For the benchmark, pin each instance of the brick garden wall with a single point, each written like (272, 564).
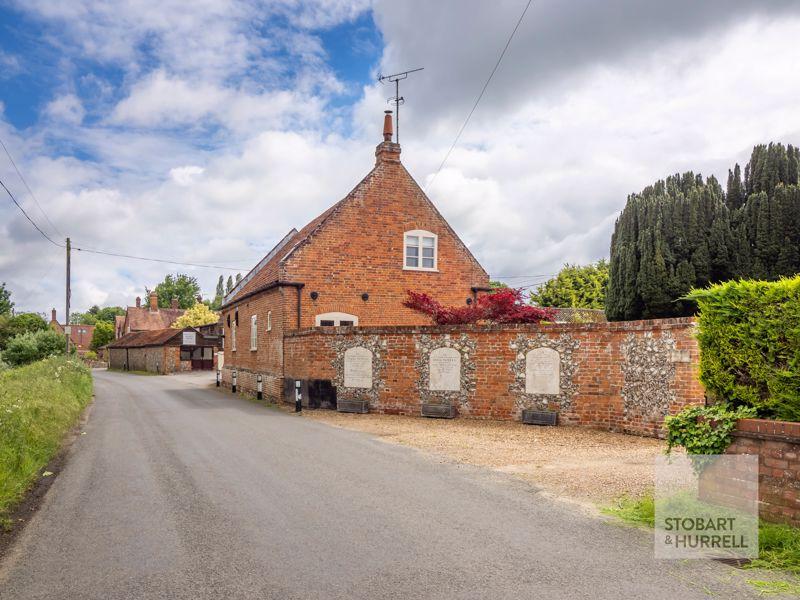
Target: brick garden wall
(154, 359)
(622, 376)
(777, 445)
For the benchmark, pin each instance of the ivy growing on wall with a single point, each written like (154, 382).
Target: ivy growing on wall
(704, 429)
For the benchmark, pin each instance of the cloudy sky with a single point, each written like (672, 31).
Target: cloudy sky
(204, 134)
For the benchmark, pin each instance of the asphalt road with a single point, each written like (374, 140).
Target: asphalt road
(181, 491)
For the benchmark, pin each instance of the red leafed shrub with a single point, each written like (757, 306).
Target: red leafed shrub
(503, 306)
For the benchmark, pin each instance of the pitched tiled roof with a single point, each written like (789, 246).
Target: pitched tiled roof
(144, 319)
(269, 271)
(140, 339)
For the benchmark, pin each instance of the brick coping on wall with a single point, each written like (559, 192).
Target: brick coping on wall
(644, 325)
(763, 429)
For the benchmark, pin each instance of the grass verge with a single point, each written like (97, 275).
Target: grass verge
(39, 403)
(778, 545)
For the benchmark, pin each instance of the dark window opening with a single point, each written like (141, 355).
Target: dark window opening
(345, 323)
(326, 323)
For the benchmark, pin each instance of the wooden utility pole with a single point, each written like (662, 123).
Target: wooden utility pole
(67, 328)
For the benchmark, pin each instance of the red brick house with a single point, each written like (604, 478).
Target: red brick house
(351, 266)
(146, 318)
(79, 335)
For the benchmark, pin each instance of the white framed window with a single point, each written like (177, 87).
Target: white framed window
(254, 332)
(269, 320)
(336, 319)
(420, 250)
(233, 336)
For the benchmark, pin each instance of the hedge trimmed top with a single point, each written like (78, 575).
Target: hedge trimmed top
(749, 336)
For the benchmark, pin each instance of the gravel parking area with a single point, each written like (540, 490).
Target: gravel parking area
(578, 464)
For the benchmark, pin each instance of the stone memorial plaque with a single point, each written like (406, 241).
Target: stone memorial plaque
(679, 356)
(358, 368)
(445, 370)
(543, 371)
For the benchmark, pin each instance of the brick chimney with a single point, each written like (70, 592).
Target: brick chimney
(153, 301)
(387, 151)
(174, 303)
(53, 316)
(138, 302)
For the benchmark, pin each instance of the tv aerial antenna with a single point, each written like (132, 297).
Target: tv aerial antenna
(397, 99)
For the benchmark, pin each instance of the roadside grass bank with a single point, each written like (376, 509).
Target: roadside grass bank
(39, 403)
(778, 545)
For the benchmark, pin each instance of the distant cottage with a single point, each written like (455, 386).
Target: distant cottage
(351, 266)
(146, 318)
(79, 335)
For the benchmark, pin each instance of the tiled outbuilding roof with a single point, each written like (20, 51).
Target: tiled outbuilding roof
(140, 339)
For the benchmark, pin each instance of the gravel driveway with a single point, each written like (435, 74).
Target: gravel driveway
(584, 465)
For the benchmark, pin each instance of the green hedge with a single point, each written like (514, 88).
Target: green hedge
(749, 336)
(39, 403)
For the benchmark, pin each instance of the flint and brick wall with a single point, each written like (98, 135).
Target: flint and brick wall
(154, 359)
(622, 376)
(777, 444)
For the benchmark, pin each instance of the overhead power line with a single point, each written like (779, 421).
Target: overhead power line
(158, 260)
(519, 276)
(27, 216)
(478, 99)
(30, 191)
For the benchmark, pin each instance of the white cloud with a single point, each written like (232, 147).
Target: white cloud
(9, 65)
(184, 176)
(67, 108)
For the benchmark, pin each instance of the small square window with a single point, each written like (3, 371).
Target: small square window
(413, 258)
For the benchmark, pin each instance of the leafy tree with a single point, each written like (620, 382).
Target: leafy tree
(685, 232)
(103, 334)
(96, 314)
(197, 315)
(219, 295)
(21, 323)
(32, 346)
(575, 287)
(498, 285)
(180, 286)
(6, 305)
(79, 318)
